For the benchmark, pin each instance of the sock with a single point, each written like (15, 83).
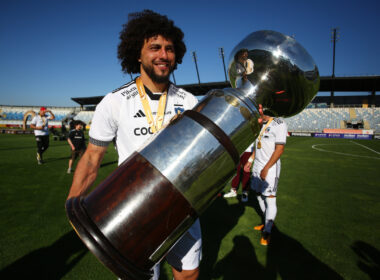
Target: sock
(270, 213)
(156, 271)
(261, 203)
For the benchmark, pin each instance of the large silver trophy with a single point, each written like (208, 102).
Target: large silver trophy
(138, 213)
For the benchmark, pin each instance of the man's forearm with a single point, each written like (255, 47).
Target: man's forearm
(32, 126)
(70, 143)
(86, 171)
(52, 117)
(275, 156)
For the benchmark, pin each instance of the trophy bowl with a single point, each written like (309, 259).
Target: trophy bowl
(274, 70)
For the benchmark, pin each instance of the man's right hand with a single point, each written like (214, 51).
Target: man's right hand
(87, 170)
(261, 112)
(247, 167)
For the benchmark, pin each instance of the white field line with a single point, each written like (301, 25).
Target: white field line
(366, 147)
(338, 153)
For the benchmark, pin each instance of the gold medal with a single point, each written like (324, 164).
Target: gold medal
(43, 121)
(161, 107)
(262, 132)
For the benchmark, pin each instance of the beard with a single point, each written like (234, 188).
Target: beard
(160, 79)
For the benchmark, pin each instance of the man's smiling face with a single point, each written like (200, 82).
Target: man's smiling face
(157, 58)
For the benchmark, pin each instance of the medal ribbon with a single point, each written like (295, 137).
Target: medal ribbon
(262, 132)
(43, 121)
(148, 112)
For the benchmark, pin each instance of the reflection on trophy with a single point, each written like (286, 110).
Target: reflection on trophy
(137, 214)
(242, 64)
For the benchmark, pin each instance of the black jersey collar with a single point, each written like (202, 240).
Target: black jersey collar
(153, 96)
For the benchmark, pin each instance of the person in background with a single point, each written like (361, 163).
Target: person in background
(77, 143)
(241, 176)
(268, 149)
(40, 124)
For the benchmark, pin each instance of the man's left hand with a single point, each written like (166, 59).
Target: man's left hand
(263, 173)
(261, 112)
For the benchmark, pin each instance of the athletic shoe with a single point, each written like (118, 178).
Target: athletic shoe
(244, 197)
(265, 238)
(259, 227)
(39, 159)
(231, 193)
(69, 171)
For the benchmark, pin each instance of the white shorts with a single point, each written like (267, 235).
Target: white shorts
(187, 253)
(266, 187)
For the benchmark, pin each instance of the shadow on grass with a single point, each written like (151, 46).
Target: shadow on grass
(240, 263)
(108, 163)
(56, 159)
(219, 219)
(51, 262)
(286, 257)
(289, 259)
(369, 261)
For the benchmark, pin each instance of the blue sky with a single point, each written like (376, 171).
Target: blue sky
(52, 50)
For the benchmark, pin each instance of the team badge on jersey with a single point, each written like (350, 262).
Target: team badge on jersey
(178, 109)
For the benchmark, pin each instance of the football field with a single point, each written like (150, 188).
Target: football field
(327, 225)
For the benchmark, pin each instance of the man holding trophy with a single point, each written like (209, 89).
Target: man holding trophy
(153, 46)
(148, 208)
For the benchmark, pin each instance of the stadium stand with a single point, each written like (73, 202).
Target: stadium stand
(85, 116)
(317, 119)
(13, 115)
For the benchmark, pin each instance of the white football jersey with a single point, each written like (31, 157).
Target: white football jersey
(249, 149)
(275, 133)
(39, 121)
(121, 115)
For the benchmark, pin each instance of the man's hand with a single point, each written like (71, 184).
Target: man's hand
(261, 112)
(263, 173)
(36, 127)
(51, 117)
(247, 167)
(279, 149)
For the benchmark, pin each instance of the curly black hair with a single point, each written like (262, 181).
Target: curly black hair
(141, 26)
(239, 53)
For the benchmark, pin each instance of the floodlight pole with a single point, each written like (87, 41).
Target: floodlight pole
(221, 52)
(196, 66)
(334, 39)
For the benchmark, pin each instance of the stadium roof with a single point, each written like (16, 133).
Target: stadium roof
(328, 84)
(94, 100)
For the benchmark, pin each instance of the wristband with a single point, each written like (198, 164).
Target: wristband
(250, 160)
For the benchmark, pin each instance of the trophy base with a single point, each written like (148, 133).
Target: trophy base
(132, 219)
(98, 244)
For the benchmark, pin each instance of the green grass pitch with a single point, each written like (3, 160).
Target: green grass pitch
(327, 225)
